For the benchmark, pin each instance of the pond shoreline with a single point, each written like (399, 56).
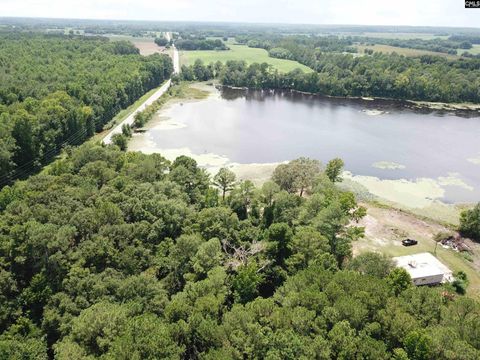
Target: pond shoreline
(467, 108)
(424, 194)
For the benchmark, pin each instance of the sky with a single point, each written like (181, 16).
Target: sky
(362, 12)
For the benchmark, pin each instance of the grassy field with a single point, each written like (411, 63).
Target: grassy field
(403, 36)
(240, 52)
(190, 91)
(386, 227)
(475, 50)
(402, 51)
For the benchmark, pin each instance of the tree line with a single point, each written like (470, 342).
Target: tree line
(200, 44)
(326, 43)
(117, 255)
(334, 43)
(162, 41)
(57, 91)
(427, 78)
(448, 46)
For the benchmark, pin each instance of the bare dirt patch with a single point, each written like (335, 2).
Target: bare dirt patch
(149, 48)
(386, 227)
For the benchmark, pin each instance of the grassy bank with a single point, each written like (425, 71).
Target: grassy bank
(122, 115)
(189, 91)
(183, 91)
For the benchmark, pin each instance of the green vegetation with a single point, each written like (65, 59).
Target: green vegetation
(284, 46)
(142, 117)
(373, 264)
(108, 254)
(396, 225)
(423, 78)
(428, 78)
(403, 35)
(178, 91)
(225, 181)
(334, 170)
(475, 50)
(470, 223)
(297, 175)
(201, 44)
(118, 255)
(77, 87)
(120, 140)
(448, 46)
(292, 43)
(123, 114)
(388, 49)
(162, 41)
(240, 53)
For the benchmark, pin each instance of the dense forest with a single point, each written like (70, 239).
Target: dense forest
(117, 255)
(438, 45)
(107, 254)
(162, 41)
(335, 43)
(140, 28)
(427, 78)
(268, 41)
(58, 90)
(200, 44)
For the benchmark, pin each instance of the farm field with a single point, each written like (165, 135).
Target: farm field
(240, 52)
(475, 50)
(404, 36)
(402, 51)
(146, 45)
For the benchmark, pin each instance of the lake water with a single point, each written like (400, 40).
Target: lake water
(383, 139)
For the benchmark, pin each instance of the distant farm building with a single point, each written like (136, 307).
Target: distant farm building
(424, 269)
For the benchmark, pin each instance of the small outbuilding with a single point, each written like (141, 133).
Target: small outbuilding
(424, 269)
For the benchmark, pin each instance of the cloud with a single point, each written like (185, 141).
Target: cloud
(371, 12)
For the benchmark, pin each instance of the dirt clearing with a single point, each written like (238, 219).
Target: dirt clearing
(386, 227)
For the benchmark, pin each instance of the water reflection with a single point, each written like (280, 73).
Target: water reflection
(248, 126)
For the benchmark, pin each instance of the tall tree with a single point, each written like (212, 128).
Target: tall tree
(334, 170)
(470, 222)
(298, 175)
(224, 180)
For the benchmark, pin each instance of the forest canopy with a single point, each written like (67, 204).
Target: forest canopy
(200, 44)
(117, 255)
(58, 90)
(427, 78)
(340, 71)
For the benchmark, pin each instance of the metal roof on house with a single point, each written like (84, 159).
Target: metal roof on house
(423, 265)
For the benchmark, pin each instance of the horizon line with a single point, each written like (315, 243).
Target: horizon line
(238, 22)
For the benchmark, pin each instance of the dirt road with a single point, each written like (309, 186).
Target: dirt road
(156, 95)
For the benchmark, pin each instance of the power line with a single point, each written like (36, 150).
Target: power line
(27, 168)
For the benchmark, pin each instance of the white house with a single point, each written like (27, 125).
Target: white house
(424, 269)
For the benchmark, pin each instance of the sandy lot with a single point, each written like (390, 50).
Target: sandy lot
(385, 228)
(149, 48)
